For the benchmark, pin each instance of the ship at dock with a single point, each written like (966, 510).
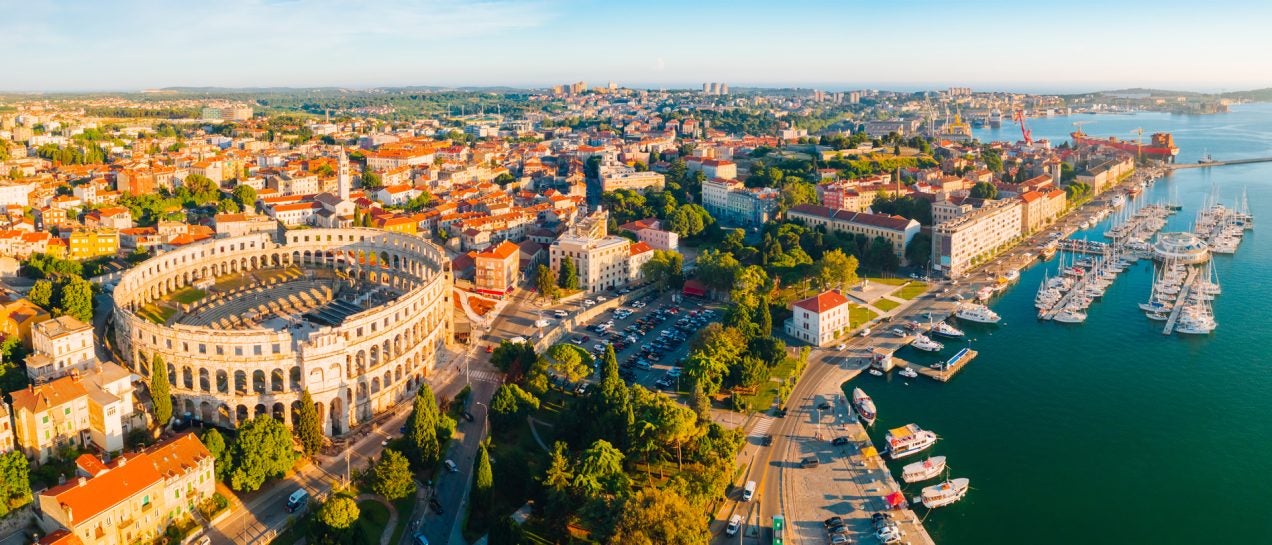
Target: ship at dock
(1161, 145)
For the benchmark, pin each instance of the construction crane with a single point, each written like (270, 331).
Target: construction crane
(1019, 117)
(1139, 143)
(1077, 126)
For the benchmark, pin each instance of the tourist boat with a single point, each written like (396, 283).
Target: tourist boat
(946, 330)
(977, 313)
(908, 373)
(930, 468)
(926, 344)
(950, 491)
(908, 440)
(865, 406)
(1070, 316)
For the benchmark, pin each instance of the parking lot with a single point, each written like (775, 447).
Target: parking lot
(650, 335)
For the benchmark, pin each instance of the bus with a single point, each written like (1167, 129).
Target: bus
(779, 524)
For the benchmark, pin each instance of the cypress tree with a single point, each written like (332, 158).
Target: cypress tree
(308, 430)
(483, 479)
(161, 391)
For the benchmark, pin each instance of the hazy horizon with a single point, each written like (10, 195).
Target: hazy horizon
(76, 46)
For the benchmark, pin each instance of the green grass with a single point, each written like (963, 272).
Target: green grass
(405, 509)
(911, 290)
(888, 281)
(886, 304)
(187, 296)
(371, 520)
(763, 397)
(297, 531)
(858, 315)
(156, 314)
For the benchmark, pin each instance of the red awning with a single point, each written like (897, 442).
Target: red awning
(896, 499)
(694, 288)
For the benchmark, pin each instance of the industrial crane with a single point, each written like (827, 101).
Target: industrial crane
(1139, 143)
(1019, 117)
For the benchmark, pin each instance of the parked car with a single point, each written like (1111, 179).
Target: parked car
(839, 441)
(735, 524)
(435, 505)
(809, 462)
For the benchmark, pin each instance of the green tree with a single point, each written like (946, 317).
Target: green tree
(263, 451)
(308, 429)
(503, 179)
(764, 317)
(339, 512)
(41, 293)
(559, 476)
(246, 196)
(569, 277)
(546, 282)
(837, 270)
(505, 532)
(993, 159)
(610, 404)
(666, 268)
(599, 472)
(511, 404)
(421, 428)
(661, 517)
(371, 180)
(483, 480)
(391, 477)
(76, 300)
(567, 360)
(15, 481)
(161, 391)
(984, 190)
(221, 454)
(919, 250)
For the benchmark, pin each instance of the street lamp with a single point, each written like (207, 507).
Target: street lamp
(485, 418)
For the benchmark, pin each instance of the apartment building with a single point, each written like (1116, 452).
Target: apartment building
(713, 168)
(1039, 208)
(61, 346)
(820, 319)
(962, 243)
(650, 232)
(895, 229)
(602, 263)
(134, 497)
(74, 410)
(6, 429)
(498, 269)
(90, 244)
(620, 176)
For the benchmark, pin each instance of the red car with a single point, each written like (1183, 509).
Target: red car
(490, 348)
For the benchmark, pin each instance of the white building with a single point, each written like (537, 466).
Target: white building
(602, 263)
(620, 176)
(960, 244)
(15, 193)
(61, 345)
(819, 320)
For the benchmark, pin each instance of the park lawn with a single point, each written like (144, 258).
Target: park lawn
(764, 395)
(911, 290)
(188, 295)
(372, 518)
(156, 314)
(858, 315)
(406, 509)
(886, 304)
(888, 281)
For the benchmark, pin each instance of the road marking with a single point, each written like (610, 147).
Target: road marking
(485, 376)
(761, 426)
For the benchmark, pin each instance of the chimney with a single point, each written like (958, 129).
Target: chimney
(82, 481)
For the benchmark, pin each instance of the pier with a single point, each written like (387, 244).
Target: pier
(1177, 166)
(1179, 301)
(946, 371)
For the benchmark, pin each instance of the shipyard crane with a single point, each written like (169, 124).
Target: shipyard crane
(1019, 117)
(1139, 143)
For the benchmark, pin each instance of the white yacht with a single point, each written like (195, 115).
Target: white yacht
(977, 313)
(908, 440)
(946, 330)
(926, 344)
(865, 406)
(1070, 316)
(924, 470)
(908, 373)
(950, 491)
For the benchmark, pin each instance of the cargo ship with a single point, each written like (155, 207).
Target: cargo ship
(1161, 146)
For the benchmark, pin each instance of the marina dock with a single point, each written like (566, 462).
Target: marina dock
(1179, 302)
(947, 370)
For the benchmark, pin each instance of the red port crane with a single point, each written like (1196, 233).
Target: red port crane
(1019, 117)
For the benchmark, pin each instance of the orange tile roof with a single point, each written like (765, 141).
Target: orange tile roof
(47, 395)
(823, 302)
(640, 248)
(61, 537)
(504, 250)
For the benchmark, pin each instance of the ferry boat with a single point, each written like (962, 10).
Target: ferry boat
(908, 440)
(926, 344)
(922, 471)
(865, 406)
(977, 313)
(946, 330)
(950, 491)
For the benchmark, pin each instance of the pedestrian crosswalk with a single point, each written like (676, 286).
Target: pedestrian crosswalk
(485, 376)
(761, 427)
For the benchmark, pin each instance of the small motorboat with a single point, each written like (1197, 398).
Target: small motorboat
(908, 373)
(876, 372)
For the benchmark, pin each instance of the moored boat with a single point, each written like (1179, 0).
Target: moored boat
(925, 343)
(950, 491)
(924, 470)
(946, 330)
(908, 440)
(864, 405)
(977, 313)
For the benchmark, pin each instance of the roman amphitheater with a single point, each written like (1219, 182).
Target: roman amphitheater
(246, 324)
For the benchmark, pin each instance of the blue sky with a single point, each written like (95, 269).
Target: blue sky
(1023, 45)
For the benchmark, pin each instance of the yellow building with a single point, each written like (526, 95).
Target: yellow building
(134, 497)
(17, 317)
(90, 244)
(398, 224)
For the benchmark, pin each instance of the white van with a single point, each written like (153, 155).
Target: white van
(450, 466)
(297, 500)
(748, 491)
(735, 524)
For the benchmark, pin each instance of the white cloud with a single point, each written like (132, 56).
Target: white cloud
(660, 64)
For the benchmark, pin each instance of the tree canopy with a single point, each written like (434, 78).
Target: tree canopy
(263, 451)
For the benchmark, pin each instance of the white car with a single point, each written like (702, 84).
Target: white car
(560, 314)
(735, 524)
(598, 347)
(588, 302)
(600, 298)
(841, 347)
